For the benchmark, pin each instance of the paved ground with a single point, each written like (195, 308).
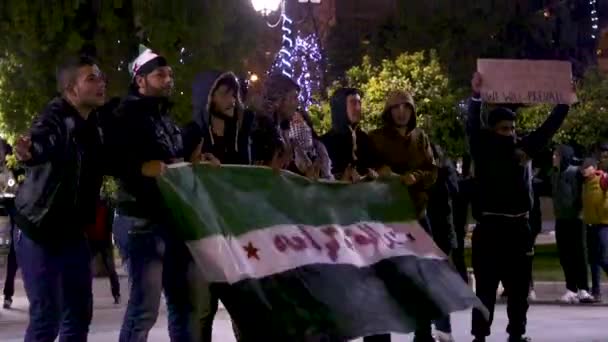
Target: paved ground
(547, 323)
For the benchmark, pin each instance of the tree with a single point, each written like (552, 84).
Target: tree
(587, 122)
(419, 73)
(36, 34)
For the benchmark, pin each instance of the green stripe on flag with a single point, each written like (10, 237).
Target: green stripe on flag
(233, 200)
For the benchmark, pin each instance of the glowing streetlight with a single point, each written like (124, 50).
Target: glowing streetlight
(254, 78)
(265, 7)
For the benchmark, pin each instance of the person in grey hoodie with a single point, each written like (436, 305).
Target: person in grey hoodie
(569, 229)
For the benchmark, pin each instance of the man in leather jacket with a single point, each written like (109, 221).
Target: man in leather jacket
(56, 202)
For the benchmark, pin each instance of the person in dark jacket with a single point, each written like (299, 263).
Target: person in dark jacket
(147, 140)
(8, 203)
(567, 184)
(603, 156)
(348, 146)
(220, 120)
(56, 202)
(223, 125)
(404, 149)
(441, 217)
(270, 143)
(502, 241)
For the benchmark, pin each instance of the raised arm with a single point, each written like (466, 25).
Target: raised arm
(537, 140)
(474, 123)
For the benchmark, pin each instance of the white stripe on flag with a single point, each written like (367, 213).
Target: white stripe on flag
(281, 248)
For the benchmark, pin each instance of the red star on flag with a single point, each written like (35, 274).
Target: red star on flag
(252, 252)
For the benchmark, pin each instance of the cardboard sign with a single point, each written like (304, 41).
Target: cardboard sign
(526, 81)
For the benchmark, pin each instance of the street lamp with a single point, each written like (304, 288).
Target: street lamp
(266, 6)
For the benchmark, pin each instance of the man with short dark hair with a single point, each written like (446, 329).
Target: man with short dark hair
(503, 243)
(57, 201)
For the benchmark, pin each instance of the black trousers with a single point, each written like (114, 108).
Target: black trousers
(570, 238)
(502, 251)
(424, 332)
(107, 256)
(11, 266)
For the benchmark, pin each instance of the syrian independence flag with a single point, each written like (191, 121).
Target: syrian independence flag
(291, 258)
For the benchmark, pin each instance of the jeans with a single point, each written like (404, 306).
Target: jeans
(58, 285)
(502, 251)
(570, 238)
(597, 246)
(155, 262)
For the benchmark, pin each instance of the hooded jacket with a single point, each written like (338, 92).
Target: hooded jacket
(567, 183)
(235, 149)
(409, 154)
(145, 132)
(503, 180)
(347, 145)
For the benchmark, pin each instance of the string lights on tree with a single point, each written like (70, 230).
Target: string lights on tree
(300, 57)
(594, 19)
(305, 61)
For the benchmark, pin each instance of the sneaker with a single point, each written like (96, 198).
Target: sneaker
(8, 303)
(570, 297)
(597, 297)
(585, 297)
(441, 336)
(519, 339)
(117, 299)
(532, 295)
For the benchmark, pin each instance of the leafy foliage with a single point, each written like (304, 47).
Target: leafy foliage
(587, 122)
(37, 34)
(419, 73)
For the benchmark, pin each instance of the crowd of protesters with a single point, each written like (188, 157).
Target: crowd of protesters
(79, 138)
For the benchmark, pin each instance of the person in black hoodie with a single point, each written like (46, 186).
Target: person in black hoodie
(224, 127)
(55, 203)
(349, 148)
(147, 141)
(220, 121)
(502, 241)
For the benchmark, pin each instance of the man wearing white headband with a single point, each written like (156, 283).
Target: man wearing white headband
(146, 141)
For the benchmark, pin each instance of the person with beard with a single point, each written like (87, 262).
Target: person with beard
(502, 241)
(57, 201)
(404, 149)
(567, 184)
(147, 141)
(270, 143)
(348, 146)
(224, 128)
